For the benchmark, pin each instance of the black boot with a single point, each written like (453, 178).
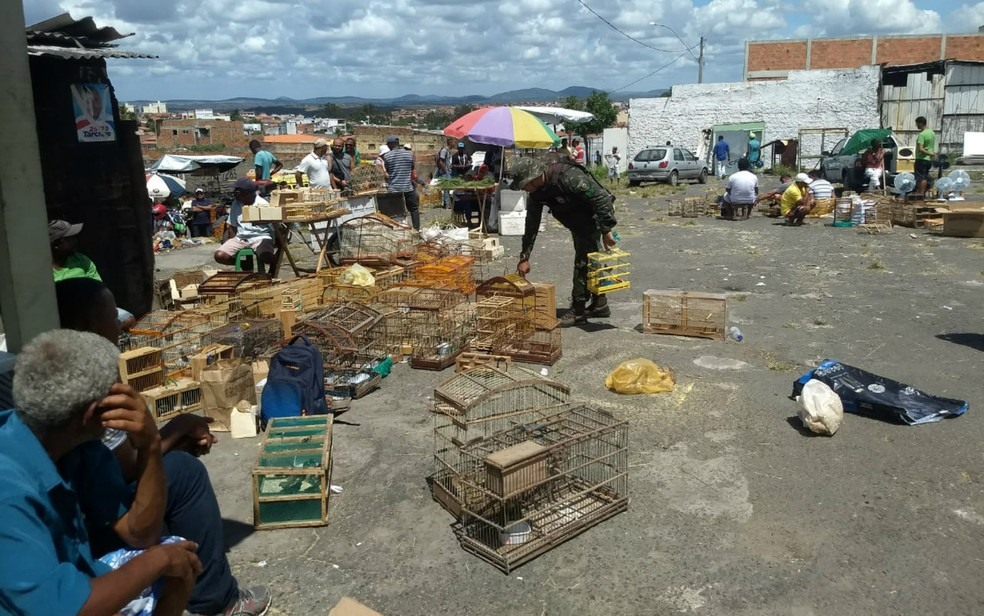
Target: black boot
(575, 316)
(598, 307)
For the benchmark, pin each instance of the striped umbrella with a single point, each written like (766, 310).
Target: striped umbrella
(160, 186)
(503, 126)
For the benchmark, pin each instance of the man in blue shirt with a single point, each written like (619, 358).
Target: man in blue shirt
(265, 164)
(722, 153)
(67, 395)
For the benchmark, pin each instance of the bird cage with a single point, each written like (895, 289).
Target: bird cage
(388, 337)
(683, 313)
(142, 368)
(522, 318)
(476, 403)
(358, 320)
(497, 322)
(439, 336)
(178, 335)
(398, 296)
(174, 398)
(543, 346)
(367, 180)
(608, 271)
(374, 240)
(528, 489)
(452, 272)
(224, 286)
(338, 347)
(250, 339)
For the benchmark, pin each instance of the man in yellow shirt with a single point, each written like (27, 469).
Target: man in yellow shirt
(797, 201)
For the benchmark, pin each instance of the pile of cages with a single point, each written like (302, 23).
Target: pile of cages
(178, 335)
(440, 335)
(526, 490)
(367, 180)
(475, 404)
(375, 240)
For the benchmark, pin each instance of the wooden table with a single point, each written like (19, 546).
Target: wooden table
(320, 235)
(482, 194)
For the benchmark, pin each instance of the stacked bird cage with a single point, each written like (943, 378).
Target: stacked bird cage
(543, 346)
(367, 180)
(399, 296)
(178, 335)
(684, 313)
(224, 286)
(528, 489)
(375, 240)
(441, 323)
(453, 272)
(517, 288)
(358, 320)
(477, 403)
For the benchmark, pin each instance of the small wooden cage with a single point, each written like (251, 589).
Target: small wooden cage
(452, 272)
(142, 368)
(375, 240)
(543, 346)
(515, 287)
(175, 398)
(360, 322)
(178, 335)
(608, 271)
(683, 313)
(292, 477)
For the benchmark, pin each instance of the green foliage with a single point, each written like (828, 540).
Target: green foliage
(781, 170)
(599, 104)
(236, 115)
(363, 113)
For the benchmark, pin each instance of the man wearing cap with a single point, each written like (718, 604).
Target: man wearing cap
(340, 166)
(398, 164)
(754, 148)
(67, 262)
(201, 210)
(580, 203)
(315, 166)
(797, 201)
(257, 237)
(461, 163)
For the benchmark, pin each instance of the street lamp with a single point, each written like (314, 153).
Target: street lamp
(700, 59)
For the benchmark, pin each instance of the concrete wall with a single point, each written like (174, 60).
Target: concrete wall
(774, 59)
(807, 99)
(177, 133)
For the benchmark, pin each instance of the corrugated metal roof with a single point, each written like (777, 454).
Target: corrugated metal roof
(84, 29)
(81, 53)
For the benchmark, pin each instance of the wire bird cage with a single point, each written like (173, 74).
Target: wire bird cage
(497, 323)
(608, 271)
(338, 347)
(477, 403)
(265, 302)
(224, 286)
(367, 180)
(452, 272)
(522, 310)
(543, 347)
(375, 240)
(526, 490)
(360, 322)
(439, 336)
(683, 313)
(178, 335)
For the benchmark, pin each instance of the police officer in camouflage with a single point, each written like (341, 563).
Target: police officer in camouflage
(581, 204)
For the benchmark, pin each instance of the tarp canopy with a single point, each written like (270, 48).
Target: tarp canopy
(558, 115)
(205, 165)
(861, 140)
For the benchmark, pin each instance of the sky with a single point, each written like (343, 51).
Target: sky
(219, 49)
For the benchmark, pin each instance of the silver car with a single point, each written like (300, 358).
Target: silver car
(668, 164)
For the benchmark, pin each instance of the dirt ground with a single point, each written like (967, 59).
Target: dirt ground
(734, 509)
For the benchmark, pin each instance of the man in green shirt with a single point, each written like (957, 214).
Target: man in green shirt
(925, 153)
(67, 262)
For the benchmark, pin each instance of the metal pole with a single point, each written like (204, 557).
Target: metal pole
(700, 62)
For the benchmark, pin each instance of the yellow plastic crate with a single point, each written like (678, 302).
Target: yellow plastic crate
(608, 271)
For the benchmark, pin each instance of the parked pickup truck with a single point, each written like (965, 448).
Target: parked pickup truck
(849, 169)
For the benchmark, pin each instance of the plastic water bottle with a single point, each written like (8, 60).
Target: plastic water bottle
(736, 334)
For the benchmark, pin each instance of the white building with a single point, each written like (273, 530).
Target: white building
(204, 114)
(154, 108)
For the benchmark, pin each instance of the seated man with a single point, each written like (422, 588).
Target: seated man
(874, 164)
(247, 235)
(820, 188)
(57, 474)
(773, 197)
(797, 201)
(191, 509)
(67, 262)
(741, 191)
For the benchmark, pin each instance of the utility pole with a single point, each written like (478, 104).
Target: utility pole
(700, 62)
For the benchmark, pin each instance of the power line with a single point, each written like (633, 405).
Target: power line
(671, 62)
(625, 34)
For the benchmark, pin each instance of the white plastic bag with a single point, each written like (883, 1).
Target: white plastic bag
(821, 409)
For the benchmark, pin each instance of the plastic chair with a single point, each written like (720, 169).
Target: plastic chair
(246, 253)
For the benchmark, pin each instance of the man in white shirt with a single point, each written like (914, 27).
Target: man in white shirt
(315, 166)
(248, 235)
(821, 188)
(741, 192)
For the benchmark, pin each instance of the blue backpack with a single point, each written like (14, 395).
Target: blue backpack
(296, 382)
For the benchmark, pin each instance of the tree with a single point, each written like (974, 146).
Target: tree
(236, 115)
(572, 102)
(598, 104)
(461, 110)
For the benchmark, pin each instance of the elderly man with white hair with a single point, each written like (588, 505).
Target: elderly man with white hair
(66, 393)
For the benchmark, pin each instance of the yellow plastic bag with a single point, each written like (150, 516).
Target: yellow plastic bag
(358, 276)
(640, 376)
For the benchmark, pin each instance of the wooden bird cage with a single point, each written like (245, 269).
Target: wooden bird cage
(682, 313)
(497, 322)
(292, 476)
(526, 490)
(361, 322)
(543, 346)
(477, 403)
(608, 271)
(439, 336)
(178, 335)
(175, 398)
(367, 180)
(225, 285)
(453, 272)
(398, 296)
(142, 368)
(266, 302)
(338, 347)
(375, 240)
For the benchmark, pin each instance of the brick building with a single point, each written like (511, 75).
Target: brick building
(774, 59)
(216, 133)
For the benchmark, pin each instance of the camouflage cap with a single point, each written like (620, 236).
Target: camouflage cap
(525, 171)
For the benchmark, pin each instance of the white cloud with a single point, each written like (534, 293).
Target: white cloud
(382, 48)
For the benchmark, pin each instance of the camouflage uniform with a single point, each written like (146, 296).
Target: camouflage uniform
(580, 204)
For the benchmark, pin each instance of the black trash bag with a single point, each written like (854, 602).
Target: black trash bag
(864, 393)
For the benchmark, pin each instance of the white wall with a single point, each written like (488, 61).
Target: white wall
(807, 99)
(619, 138)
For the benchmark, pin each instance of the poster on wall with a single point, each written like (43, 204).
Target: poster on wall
(93, 112)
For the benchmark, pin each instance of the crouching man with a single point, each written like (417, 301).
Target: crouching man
(58, 475)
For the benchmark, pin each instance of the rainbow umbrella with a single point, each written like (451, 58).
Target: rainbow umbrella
(503, 126)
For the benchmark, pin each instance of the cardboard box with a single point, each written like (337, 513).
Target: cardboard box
(350, 607)
(964, 223)
(208, 356)
(546, 305)
(252, 213)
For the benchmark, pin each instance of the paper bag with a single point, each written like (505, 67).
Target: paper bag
(224, 384)
(261, 368)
